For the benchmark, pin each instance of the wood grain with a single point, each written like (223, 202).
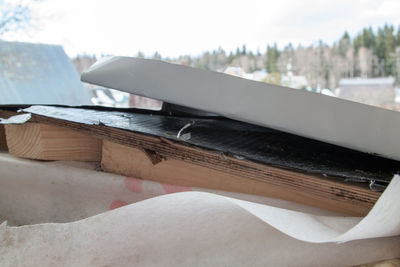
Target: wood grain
(3, 142)
(4, 114)
(47, 142)
(134, 162)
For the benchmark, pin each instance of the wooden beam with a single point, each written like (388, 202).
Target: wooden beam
(3, 142)
(135, 162)
(4, 114)
(314, 187)
(48, 142)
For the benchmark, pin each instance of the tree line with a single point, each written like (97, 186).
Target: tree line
(371, 53)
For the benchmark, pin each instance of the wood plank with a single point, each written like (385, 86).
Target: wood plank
(303, 183)
(48, 142)
(3, 142)
(240, 140)
(4, 114)
(138, 163)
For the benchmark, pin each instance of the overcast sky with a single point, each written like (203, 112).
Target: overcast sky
(175, 28)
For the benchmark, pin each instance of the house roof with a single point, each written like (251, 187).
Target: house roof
(38, 74)
(389, 81)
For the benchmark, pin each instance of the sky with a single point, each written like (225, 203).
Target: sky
(174, 27)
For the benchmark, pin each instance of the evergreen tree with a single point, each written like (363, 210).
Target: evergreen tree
(398, 36)
(272, 56)
(365, 39)
(230, 58)
(157, 55)
(389, 50)
(370, 53)
(344, 44)
(140, 54)
(244, 52)
(237, 52)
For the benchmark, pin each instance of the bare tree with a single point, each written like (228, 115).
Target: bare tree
(15, 16)
(365, 59)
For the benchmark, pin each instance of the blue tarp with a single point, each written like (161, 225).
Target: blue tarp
(39, 74)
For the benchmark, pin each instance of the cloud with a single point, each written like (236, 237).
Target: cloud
(178, 27)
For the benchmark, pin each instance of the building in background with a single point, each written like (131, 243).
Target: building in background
(293, 81)
(39, 74)
(373, 91)
(239, 72)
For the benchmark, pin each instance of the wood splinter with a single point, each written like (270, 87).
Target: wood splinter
(153, 156)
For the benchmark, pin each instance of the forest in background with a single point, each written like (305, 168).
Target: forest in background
(371, 53)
